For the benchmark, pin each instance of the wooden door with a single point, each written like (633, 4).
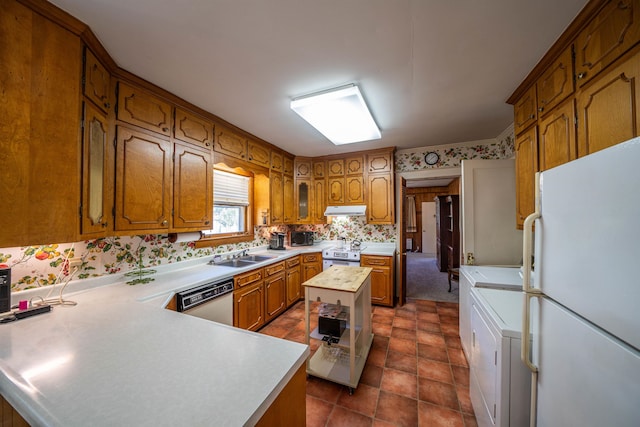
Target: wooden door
(230, 143)
(288, 200)
(248, 307)
(275, 296)
(319, 201)
(97, 82)
(557, 140)
(96, 200)
(192, 188)
(293, 285)
(526, 147)
(258, 154)
(193, 129)
(525, 110)
(143, 181)
(354, 190)
(336, 167)
(609, 108)
(380, 199)
(614, 30)
(140, 108)
(556, 84)
(336, 191)
(277, 197)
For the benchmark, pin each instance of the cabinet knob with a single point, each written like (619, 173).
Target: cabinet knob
(206, 223)
(541, 109)
(581, 75)
(107, 105)
(532, 116)
(165, 223)
(208, 144)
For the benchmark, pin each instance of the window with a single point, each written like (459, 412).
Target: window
(230, 203)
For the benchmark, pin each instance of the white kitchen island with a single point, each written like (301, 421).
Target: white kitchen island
(341, 359)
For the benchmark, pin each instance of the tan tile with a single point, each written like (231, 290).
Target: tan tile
(434, 370)
(377, 357)
(452, 341)
(380, 341)
(465, 399)
(406, 314)
(322, 389)
(433, 352)
(438, 393)
(423, 325)
(428, 317)
(407, 334)
(383, 319)
(400, 322)
(381, 329)
(430, 338)
(318, 411)
(399, 410)
(450, 329)
(449, 320)
(402, 362)
(343, 417)
(399, 382)
(385, 311)
(371, 375)
(456, 357)
(364, 399)
(460, 375)
(403, 346)
(437, 416)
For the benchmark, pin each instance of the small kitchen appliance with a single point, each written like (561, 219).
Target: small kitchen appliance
(277, 241)
(302, 238)
(5, 289)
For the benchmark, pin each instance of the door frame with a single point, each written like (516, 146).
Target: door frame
(401, 249)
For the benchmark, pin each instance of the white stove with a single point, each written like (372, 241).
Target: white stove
(341, 256)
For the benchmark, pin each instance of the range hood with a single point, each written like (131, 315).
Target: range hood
(354, 210)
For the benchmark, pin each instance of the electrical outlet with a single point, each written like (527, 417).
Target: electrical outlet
(75, 262)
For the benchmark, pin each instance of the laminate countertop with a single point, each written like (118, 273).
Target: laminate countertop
(119, 358)
(340, 278)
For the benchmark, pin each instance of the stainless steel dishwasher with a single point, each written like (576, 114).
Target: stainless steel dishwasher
(211, 301)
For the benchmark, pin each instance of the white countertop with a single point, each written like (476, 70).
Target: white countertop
(504, 308)
(119, 358)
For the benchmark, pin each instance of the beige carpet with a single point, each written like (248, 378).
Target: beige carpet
(425, 281)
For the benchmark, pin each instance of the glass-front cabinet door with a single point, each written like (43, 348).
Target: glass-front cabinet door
(94, 181)
(303, 199)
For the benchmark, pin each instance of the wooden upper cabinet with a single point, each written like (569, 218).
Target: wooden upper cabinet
(319, 201)
(380, 162)
(288, 164)
(97, 81)
(526, 147)
(302, 168)
(380, 199)
(143, 181)
(142, 109)
(354, 165)
(193, 129)
(354, 190)
(289, 210)
(277, 197)
(258, 154)
(525, 111)
(556, 84)
(336, 167)
(230, 143)
(192, 188)
(96, 200)
(319, 169)
(612, 32)
(277, 163)
(609, 109)
(557, 139)
(335, 194)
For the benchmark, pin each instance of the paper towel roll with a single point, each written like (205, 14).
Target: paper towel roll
(184, 237)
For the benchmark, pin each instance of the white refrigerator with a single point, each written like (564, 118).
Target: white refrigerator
(583, 311)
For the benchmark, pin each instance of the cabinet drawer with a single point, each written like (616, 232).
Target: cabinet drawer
(292, 262)
(373, 260)
(270, 270)
(248, 278)
(311, 257)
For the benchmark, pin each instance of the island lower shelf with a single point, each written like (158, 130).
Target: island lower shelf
(333, 363)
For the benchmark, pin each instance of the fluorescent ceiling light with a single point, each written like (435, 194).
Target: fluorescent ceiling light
(339, 114)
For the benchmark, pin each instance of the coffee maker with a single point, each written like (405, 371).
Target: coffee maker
(277, 241)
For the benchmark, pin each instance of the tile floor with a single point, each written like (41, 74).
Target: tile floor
(416, 373)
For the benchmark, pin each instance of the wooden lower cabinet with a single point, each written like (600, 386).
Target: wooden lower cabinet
(248, 300)
(275, 291)
(311, 265)
(289, 408)
(381, 278)
(292, 280)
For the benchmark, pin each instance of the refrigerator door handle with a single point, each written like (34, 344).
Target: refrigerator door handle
(525, 346)
(527, 237)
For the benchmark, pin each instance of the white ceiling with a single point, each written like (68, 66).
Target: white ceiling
(432, 71)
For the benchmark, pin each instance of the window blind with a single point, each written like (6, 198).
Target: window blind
(230, 189)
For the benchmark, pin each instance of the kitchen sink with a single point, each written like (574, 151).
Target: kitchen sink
(256, 258)
(237, 263)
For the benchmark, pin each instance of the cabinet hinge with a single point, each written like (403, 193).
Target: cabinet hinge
(82, 124)
(80, 211)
